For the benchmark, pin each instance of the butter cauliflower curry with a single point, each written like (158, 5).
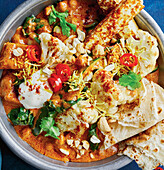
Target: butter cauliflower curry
(80, 77)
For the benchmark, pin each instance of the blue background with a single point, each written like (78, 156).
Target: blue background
(9, 160)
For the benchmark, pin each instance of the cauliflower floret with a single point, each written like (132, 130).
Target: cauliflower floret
(108, 93)
(69, 121)
(144, 46)
(54, 50)
(78, 118)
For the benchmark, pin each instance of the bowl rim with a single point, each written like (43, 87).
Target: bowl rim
(6, 135)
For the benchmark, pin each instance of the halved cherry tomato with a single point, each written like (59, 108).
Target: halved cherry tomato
(63, 71)
(129, 60)
(55, 82)
(33, 53)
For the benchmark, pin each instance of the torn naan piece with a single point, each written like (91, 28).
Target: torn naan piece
(114, 22)
(131, 119)
(13, 56)
(147, 148)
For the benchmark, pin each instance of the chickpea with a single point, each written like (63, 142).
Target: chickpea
(73, 3)
(81, 61)
(47, 10)
(63, 6)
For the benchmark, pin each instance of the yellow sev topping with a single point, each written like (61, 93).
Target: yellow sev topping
(25, 73)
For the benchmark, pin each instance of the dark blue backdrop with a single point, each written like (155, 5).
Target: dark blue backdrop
(9, 160)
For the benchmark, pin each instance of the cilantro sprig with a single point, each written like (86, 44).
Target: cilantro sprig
(131, 80)
(46, 122)
(66, 26)
(47, 125)
(47, 111)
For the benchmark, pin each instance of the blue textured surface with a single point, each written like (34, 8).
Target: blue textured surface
(10, 161)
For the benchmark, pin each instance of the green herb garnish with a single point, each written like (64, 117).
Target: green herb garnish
(131, 80)
(92, 131)
(65, 26)
(39, 26)
(49, 110)
(26, 23)
(21, 116)
(47, 125)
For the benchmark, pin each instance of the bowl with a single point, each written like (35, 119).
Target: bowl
(7, 132)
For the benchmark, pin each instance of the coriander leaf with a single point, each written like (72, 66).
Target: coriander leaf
(65, 29)
(66, 26)
(92, 131)
(53, 132)
(73, 26)
(60, 14)
(94, 146)
(48, 110)
(44, 113)
(21, 116)
(47, 125)
(131, 81)
(52, 18)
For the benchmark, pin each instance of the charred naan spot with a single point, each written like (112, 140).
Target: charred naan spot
(134, 150)
(129, 114)
(137, 160)
(155, 150)
(146, 147)
(159, 110)
(162, 141)
(152, 99)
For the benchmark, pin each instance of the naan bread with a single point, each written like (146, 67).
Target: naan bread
(132, 120)
(114, 22)
(147, 148)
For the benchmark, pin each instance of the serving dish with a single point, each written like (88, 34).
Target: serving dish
(7, 132)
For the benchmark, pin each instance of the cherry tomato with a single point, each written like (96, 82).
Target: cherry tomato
(63, 71)
(55, 82)
(129, 60)
(33, 53)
